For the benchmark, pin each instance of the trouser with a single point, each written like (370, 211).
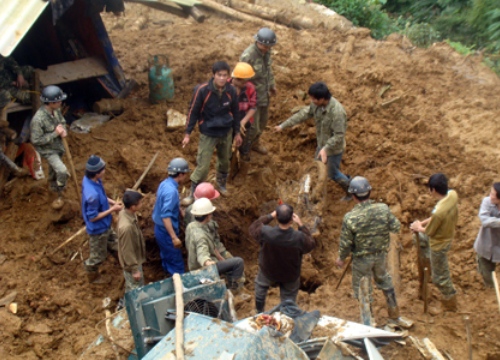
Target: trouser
(58, 173)
(206, 148)
(171, 258)
(441, 271)
(259, 124)
(333, 168)
(99, 246)
(288, 290)
(368, 265)
(232, 268)
(485, 267)
(130, 282)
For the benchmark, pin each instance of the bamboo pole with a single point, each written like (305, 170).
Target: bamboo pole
(426, 290)
(469, 335)
(179, 317)
(495, 282)
(72, 165)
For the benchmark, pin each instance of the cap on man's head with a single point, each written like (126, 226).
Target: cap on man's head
(95, 164)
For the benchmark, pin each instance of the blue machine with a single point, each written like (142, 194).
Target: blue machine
(151, 309)
(206, 338)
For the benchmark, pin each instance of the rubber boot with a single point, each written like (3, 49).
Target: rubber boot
(344, 184)
(259, 306)
(58, 203)
(450, 303)
(258, 147)
(95, 277)
(244, 166)
(393, 310)
(221, 180)
(188, 200)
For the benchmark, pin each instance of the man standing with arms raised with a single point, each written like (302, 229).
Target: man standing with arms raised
(280, 256)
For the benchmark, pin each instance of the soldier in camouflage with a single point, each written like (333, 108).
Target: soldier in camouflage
(365, 234)
(259, 56)
(205, 248)
(48, 128)
(331, 123)
(14, 81)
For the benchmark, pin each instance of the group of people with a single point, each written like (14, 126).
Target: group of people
(231, 109)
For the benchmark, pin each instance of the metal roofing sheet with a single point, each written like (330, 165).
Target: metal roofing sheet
(16, 18)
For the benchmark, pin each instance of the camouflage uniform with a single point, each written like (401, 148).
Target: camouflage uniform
(9, 70)
(331, 125)
(365, 234)
(203, 242)
(50, 145)
(263, 81)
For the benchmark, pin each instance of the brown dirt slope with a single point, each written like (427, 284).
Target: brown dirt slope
(442, 117)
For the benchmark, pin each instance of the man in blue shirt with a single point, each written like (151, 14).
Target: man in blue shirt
(96, 212)
(166, 216)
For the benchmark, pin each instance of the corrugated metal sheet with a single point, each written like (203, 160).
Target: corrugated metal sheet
(16, 18)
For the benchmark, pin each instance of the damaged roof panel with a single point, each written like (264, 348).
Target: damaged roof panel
(16, 18)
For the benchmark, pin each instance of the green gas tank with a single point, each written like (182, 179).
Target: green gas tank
(161, 82)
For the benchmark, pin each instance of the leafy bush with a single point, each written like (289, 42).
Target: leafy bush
(366, 13)
(460, 48)
(422, 35)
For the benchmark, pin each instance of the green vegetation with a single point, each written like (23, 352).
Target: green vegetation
(464, 24)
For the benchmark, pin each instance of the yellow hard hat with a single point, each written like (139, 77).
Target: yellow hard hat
(243, 70)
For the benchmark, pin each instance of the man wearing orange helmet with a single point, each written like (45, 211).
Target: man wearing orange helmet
(247, 101)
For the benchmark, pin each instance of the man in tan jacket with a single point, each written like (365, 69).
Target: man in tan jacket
(131, 246)
(440, 228)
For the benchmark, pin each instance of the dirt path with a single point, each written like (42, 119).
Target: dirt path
(443, 119)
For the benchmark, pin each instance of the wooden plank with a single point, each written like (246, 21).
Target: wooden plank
(15, 107)
(72, 71)
(166, 6)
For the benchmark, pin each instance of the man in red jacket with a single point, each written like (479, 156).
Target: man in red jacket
(280, 256)
(247, 102)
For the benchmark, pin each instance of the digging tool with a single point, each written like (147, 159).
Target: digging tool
(495, 282)
(343, 273)
(136, 186)
(420, 265)
(469, 335)
(73, 172)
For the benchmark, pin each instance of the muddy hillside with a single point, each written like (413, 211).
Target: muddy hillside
(440, 113)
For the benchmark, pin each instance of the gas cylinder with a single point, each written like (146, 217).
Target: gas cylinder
(161, 82)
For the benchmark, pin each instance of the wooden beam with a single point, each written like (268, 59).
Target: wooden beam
(73, 70)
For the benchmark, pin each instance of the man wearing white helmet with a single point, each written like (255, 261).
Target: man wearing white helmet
(205, 248)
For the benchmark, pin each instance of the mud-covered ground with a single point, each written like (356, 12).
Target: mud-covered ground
(439, 114)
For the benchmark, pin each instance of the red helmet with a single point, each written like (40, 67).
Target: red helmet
(206, 190)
